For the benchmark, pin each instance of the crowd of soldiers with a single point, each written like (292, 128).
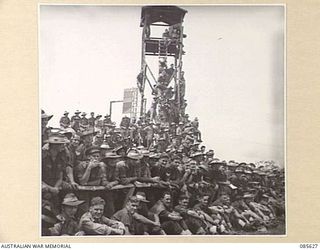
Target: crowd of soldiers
(150, 178)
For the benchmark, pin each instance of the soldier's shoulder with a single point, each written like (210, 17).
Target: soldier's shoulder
(86, 217)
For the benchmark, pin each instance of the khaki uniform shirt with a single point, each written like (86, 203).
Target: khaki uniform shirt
(96, 227)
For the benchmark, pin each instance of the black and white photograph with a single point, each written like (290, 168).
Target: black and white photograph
(161, 120)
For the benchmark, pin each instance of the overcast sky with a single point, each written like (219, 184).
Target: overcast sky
(234, 70)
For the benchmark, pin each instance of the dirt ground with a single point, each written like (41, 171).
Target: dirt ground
(279, 230)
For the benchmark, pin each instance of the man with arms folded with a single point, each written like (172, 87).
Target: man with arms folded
(171, 222)
(129, 217)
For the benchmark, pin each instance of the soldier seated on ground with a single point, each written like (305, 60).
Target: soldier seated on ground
(133, 221)
(94, 223)
(233, 218)
(250, 221)
(278, 204)
(254, 206)
(264, 207)
(152, 225)
(269, 209)
(208, 217)
(48, 219)
(266, 211)
(192, 219)
(254, 213)
(221, 207)
(125, 215)
(68, 223)
(171, 222)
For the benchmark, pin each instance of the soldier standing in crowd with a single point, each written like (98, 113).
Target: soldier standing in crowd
(148, 130)
(54, 163)
(144, 169)
(86, 142)
(98, 123)
(170, 173)
(203, 149)
(65, 121)
(162, 163)
(75, 121)
(84, 123)
(106, 123)
(91, 120)
(127, 171)
(209, 156)
(73, 154)
(91, 172)
(154, 164)
(45, 131)
(76, 115)
(98, 140)
(131, 170)
(110, 160)
(73, 150)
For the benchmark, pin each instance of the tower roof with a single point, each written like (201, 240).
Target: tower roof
(169, 15)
